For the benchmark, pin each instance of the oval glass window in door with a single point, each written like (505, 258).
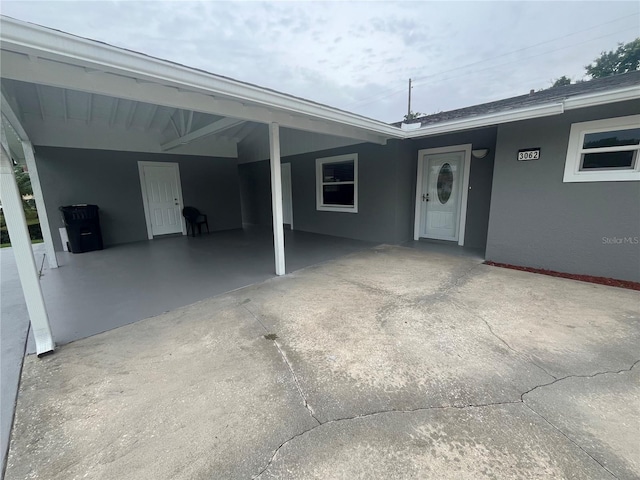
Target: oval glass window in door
(445, 183)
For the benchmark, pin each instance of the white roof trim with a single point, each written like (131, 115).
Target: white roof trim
(39, 41)
(601, 98)
(554, 108)
(487, 120)
(43, 42)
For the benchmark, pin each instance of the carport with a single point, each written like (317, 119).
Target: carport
(62, 93)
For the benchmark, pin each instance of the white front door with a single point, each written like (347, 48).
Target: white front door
(287, 204)
(163, 198)
(442, 184)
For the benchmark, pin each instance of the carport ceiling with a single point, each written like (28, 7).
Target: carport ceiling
(45, 57)
(35, 104)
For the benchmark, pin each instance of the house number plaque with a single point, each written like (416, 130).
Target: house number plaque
(528, 154)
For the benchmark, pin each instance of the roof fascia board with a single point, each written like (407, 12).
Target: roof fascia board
(602, 98)
(39, 41)
(488, 120)
(557, 108)
(16, 66)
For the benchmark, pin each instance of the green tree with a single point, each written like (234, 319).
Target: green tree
(412, 115)
(626, 58)
(562, 81)
(23, 180)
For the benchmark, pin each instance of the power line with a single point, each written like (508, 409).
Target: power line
(542, 53)
(533, 46)
(418, 79)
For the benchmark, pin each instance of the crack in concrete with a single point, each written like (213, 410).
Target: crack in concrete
(460, 407)
(606, 372)
(442, 292)
(570, 439)
(522, 355)
(286, 361)
(373, 414)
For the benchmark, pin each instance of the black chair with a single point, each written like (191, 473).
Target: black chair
(194, 219)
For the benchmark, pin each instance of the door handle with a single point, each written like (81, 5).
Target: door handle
(425, 197)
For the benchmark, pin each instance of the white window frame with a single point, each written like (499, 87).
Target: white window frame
(572, 172)
(320, 162)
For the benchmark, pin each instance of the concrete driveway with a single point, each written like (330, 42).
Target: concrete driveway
(388, 363)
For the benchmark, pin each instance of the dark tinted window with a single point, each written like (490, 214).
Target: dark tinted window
(612, 139)
(338, 172)
(338, 194)
(445, 183)
(622, 160)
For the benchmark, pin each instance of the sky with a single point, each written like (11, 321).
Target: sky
(359, 56)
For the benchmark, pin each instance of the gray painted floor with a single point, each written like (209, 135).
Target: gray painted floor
(14, 326)
(386, 363)
(97, 291)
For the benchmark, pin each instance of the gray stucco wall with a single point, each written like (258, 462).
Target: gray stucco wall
(539, 221)
(383, 194)
(386, 190)
(255, 192)
(380, 168)
(480, 179)
(111, 180)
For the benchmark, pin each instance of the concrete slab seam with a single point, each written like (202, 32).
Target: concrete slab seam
(458, 407)
(5, 454)
(617, 372)
(569, 439)
(286, 361)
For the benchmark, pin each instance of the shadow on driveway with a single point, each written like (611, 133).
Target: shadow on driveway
(387, 363)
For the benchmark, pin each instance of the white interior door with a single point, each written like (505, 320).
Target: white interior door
(287, 203)
(163, 198)
(442, 185)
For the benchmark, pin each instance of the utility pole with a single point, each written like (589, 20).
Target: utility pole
(409, 103)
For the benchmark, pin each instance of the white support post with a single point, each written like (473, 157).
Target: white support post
(43, 217)
(276, 197)
(21, 246)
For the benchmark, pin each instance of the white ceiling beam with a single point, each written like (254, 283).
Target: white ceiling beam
(17, 67)
(215, 127)
(244, 132)
(152, 115)
(189, 122)
(132, 112)
(114, 111)
(175, 127)
(183, 123)
(39, 99)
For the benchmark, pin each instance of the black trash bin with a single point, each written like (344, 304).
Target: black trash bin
(83, 227)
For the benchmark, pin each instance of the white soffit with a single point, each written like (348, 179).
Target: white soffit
(104, 62)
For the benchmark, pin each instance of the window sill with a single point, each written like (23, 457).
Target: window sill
(333, 208)
(602, 176)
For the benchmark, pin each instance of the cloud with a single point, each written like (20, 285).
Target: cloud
(359, 56)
